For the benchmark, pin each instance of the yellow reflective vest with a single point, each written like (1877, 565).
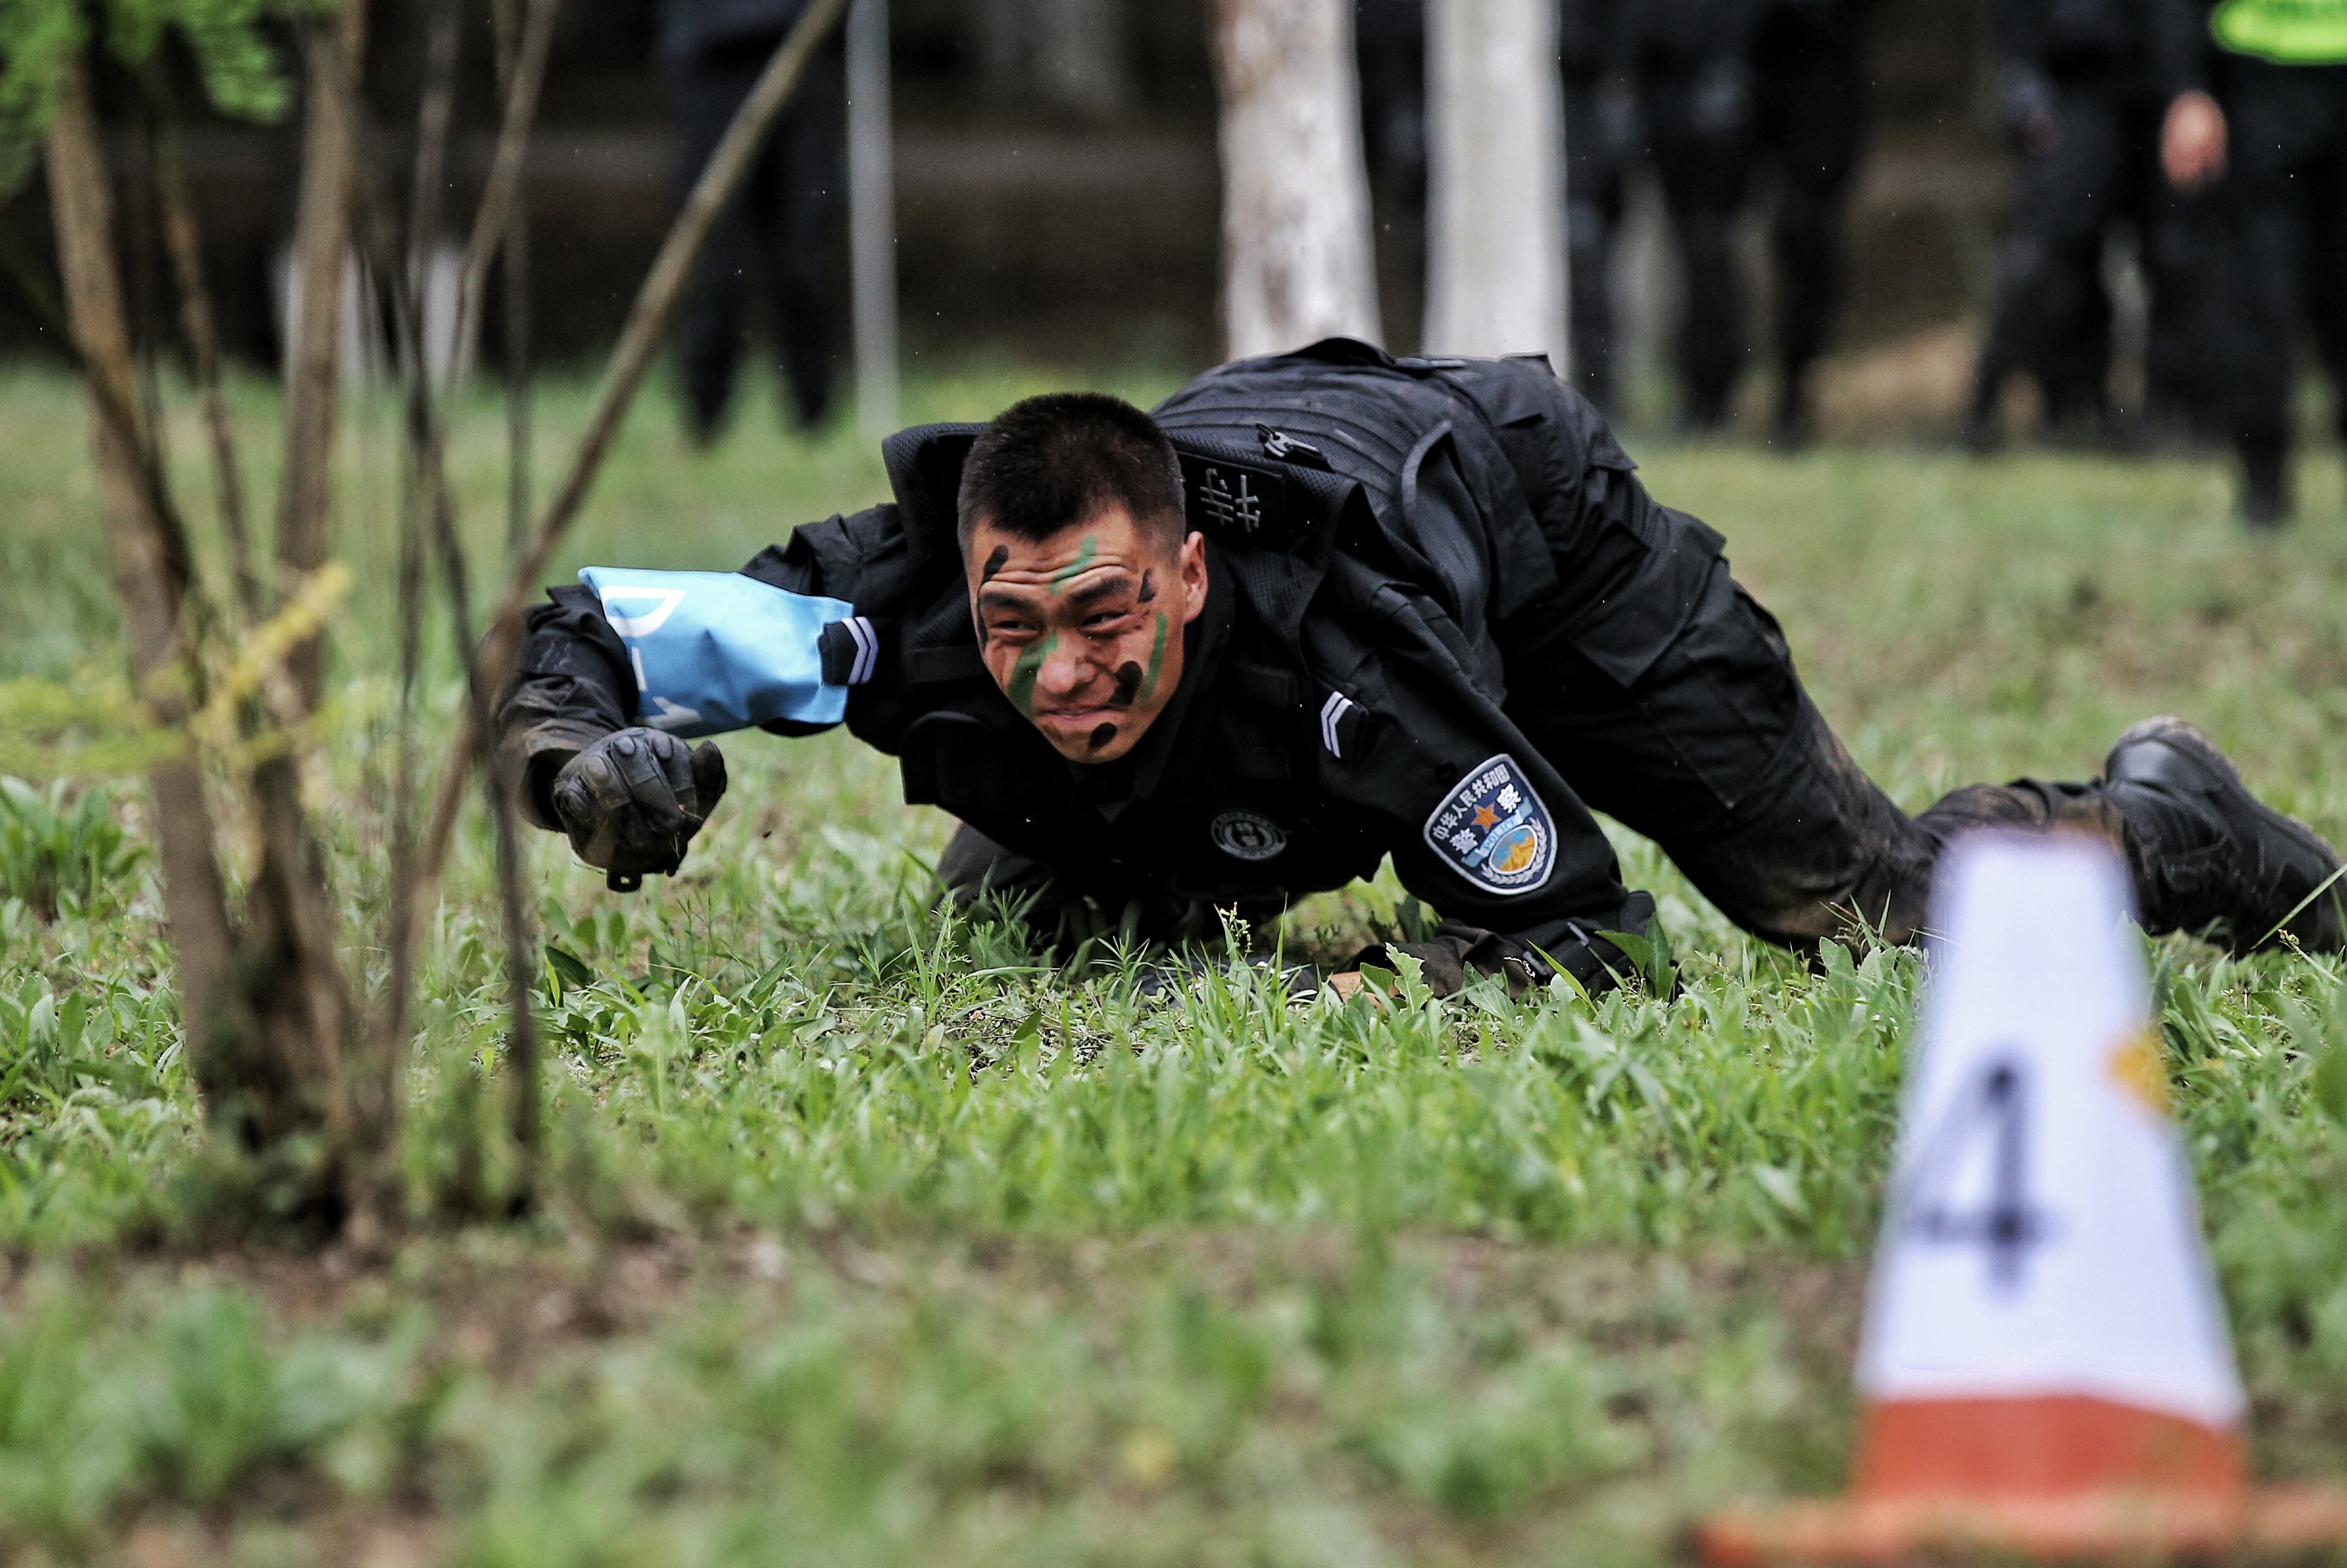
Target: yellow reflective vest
(2287, 32)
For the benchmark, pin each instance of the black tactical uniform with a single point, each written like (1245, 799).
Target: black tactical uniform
(1444, 623)
(1723, 83)
(790, 210)
(2084, 89)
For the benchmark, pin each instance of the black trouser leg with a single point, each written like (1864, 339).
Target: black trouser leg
(2288, 138)
(1593, 213)
(708, 331)
(1811, 114)
(809, 201)
(2182, 244)
(1703, 149)
(2326, 262)
(2051, 317)
(1716, 753)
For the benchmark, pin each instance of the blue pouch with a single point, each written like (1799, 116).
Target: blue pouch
(715, 651)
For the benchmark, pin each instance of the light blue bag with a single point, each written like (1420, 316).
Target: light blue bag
(715, 651)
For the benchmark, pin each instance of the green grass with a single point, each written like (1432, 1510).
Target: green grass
(872, 1239)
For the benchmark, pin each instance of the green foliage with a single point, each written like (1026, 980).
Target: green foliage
(57, 852)
(186, 1396)
(241, 72)
(38, 39)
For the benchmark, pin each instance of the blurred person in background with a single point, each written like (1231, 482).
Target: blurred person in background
(1725, 83)
(787, 218)
(1600, 138)
(2275, 132)
(2084, 89)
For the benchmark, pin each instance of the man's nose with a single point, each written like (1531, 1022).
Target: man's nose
(1064, 670)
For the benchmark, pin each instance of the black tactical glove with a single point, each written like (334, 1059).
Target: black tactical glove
(634, 799)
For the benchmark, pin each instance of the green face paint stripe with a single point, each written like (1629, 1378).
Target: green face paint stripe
(1021, 690)
(1091, 547)
(1156, 660)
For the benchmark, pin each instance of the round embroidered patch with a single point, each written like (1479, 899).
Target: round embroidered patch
(1247, 835)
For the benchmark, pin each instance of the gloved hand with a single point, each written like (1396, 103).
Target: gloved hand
(633, 800)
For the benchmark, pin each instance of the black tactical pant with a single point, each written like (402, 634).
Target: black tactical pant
(1716, 753)
(2288, 187)
(1595, 155)
(2052, 320)
(789, 215)
(1795, 98)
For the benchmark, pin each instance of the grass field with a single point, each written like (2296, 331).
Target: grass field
(871, 1240)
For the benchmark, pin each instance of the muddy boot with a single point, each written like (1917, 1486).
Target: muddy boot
(2208, 857)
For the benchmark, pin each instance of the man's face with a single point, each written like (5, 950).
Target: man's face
(1083, 631)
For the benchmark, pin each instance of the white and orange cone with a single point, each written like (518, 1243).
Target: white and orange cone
(2044, 1364)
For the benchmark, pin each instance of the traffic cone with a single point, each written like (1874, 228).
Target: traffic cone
(2044, 1364)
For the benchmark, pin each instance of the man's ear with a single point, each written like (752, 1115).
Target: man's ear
(1193, 577)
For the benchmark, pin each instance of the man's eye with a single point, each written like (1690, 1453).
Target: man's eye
(1105, 618)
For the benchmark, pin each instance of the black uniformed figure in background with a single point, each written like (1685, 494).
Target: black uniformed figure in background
(1329, 607)
(2279, 144)
(787, 219)
(1600, 139)
(2085, 90)
(1600, 135)
(1725, 83)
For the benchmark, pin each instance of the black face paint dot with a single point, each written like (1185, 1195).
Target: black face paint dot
(995, 562)
(1128, 683)
(1148, 587)
(1103, 736)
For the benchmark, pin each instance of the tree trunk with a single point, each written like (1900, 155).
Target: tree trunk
(290, 1079)
(146, 578)
(1495, 201)
(1295, 194)
(322, 243)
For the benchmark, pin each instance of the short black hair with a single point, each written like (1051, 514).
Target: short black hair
(1048, 463)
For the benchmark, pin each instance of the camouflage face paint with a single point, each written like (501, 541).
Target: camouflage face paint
(1084, 554)
(1021, 690)
(1156, 658)
(995, 562)
(1128, 683)
(1101, 736)
(1148, 587)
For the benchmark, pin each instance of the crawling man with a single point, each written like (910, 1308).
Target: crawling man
(1318, 608)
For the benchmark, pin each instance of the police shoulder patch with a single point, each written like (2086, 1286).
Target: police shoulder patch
(1493, 830)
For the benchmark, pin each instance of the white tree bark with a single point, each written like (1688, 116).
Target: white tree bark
(1296, 193)
(1495, 266)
